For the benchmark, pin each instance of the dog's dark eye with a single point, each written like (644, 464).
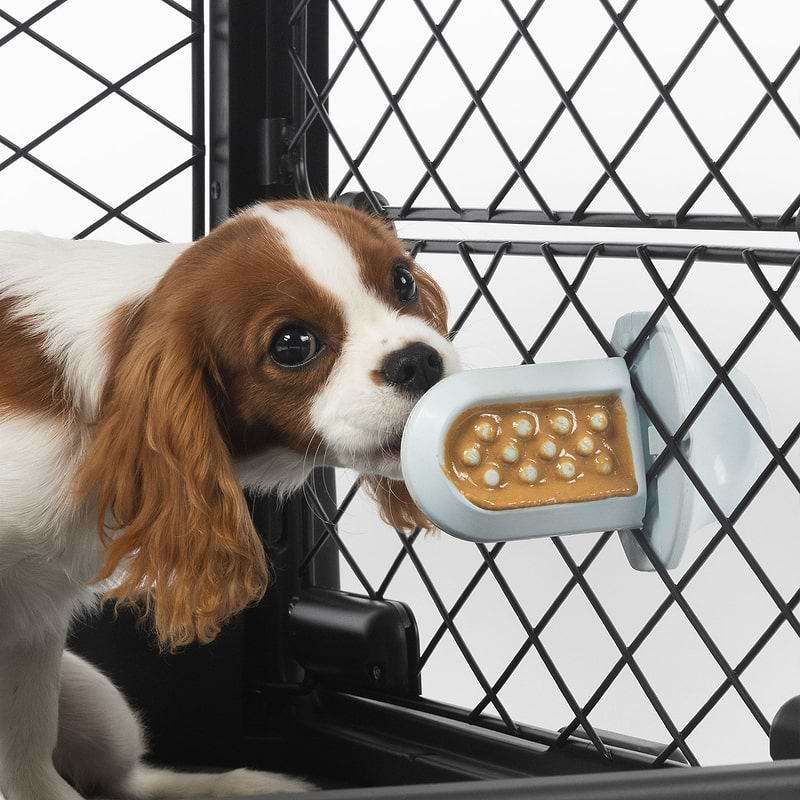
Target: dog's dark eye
(405, 286)
(293, 346)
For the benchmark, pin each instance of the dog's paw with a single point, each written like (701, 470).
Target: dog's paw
(244, 782)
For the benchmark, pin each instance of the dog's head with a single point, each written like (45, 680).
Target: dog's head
(297, 333)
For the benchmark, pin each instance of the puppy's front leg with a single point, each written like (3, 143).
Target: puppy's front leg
(29, 685)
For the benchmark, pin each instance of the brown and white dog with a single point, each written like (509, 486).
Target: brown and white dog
(141, 387)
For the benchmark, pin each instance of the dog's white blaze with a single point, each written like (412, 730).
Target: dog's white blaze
(321, 253)
(354, 413)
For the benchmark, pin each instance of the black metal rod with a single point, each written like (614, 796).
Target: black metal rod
(678, 455)
(594, 219)
(481, 106)
(575, 114)
(78, 189)
(21, 152)
(198, 119)
(193, 14)
(309, 118)
(22, 27)
(116, 212)
(555, 116)
(457, 637)
(543, 622)
(326, 121)
(545, 657)
(395, 565)
(723, 255)
(626, 654)
(401, 90)
(176, 129)
(721, 690)
(398, 113)
(454, 609)
(651, 112)
(691, 572)
(738, 138)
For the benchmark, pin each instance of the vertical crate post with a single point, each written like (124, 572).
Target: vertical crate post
(252, 98)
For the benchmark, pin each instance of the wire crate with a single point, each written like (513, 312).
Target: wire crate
(598, 167)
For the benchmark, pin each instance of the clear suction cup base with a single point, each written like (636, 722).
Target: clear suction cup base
(721, 446)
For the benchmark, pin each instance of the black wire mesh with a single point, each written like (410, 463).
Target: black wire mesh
(673, 280)
(586, 693)
(49, 65)
(360, 148)
(549, 256)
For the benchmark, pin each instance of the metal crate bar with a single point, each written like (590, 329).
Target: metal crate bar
(544, 213)
(691, 257)
(195, 137)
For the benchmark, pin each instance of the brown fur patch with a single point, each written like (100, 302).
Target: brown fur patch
(192, 387)
(395, 504)
(29, 380)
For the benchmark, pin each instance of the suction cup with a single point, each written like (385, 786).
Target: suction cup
(721, 445)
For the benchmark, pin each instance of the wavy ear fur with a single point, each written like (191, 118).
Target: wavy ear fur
(170, 510)
(395, 504)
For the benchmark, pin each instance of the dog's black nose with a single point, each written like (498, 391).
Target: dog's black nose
(416, 367)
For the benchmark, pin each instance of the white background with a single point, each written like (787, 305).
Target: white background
(114, 150)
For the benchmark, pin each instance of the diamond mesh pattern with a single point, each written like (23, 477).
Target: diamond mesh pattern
(104, 132)
(657, 658)
(781, 605)
(375, 108)
(678, 672)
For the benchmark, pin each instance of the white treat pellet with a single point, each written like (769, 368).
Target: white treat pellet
(510, 454)
(561, 424)
(528, 473)
(585, 446)
(486, 431)
(471, 457)
(524, 428)
(491, 478)
(548, 449)
(598, 421)
(566, 469)
(604, 465)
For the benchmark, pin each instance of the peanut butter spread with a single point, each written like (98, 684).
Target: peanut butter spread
(531, 454)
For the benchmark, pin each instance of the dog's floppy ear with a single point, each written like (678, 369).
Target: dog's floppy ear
(395, 504)
(169, 507)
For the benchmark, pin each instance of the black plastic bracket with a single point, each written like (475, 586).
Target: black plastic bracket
(354, 643)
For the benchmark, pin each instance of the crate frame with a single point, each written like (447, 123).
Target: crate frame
(313, 111)
(269, 133)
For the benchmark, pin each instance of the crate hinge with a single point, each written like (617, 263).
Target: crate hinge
(274, 162)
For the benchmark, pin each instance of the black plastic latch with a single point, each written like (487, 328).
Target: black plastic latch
(353, 643)
(784, 733)
(273, 138)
